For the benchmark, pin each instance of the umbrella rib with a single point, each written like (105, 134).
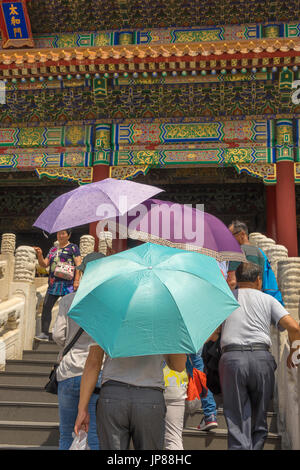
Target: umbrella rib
(192, 274)
(125, 310)
(222, 292)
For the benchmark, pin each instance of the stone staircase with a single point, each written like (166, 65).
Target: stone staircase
(29, 415)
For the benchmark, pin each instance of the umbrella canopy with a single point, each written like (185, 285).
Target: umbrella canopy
(152, 299)
(181, 226)
(92, 202)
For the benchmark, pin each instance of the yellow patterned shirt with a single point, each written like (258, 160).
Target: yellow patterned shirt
(176, 384)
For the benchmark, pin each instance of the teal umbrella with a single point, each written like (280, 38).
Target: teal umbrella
(152, 299)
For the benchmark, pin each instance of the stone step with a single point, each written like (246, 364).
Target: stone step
(192, 421)
(217, 440)
(24, 378)
(40, 355)
(28, 433)
(45, 346)
(27, 393)
(26, 411)
(29, 366)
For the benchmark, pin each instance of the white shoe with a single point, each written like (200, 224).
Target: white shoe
(42, 337)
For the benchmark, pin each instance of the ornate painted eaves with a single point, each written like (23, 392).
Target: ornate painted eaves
(221, 55)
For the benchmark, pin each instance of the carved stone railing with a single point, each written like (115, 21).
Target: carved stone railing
(11, 314)
(286, 401)
(18, 299)
(7, 261)
(105, 242)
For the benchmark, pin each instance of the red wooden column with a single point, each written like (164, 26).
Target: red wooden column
(271, 211)
(100, 172)
(286, 207)
(286, 221)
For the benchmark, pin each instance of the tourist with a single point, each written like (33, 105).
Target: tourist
(70, 370)
(246, 366)
(257, 256)
(63, 277)
(175, 395)
(177, 386)
(209, 407)
(131, 402)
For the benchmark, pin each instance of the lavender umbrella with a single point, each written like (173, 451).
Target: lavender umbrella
(180, 226)
(92, 202)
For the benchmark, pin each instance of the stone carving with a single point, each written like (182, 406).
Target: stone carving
(13, 320)
(25, 264)
(274, 254)
(289, 284)
(266, 243)
(2, 270)
(87, 245)
(8, 243)
(256, 237)
(10, 315)
(273, 251)
(105, 242)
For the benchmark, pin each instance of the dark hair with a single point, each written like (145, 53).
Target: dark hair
(68, 230)
(239, 226)
(248, 272)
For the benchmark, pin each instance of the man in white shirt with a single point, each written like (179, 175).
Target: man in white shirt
(246, 366)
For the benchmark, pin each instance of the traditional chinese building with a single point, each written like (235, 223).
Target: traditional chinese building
(197, 97)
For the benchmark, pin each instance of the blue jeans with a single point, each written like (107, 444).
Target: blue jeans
(208, 403)
(68, 399)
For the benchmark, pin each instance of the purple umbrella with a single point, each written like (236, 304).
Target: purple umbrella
(180, 226)
(92, 202)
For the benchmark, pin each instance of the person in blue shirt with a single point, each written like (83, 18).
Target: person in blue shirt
(257, 256)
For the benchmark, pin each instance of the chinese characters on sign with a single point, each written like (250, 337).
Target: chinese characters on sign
(15, 24)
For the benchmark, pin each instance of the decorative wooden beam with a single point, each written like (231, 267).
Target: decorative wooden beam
(222, 56)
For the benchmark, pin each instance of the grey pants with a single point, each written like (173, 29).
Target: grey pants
(247, 381)
(125, 412)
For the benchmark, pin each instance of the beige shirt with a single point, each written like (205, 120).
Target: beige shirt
(64, 330)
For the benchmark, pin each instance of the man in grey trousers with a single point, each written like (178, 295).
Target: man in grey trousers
(131, 402)
(246, 366)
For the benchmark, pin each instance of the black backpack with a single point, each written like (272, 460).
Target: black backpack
(211, 354)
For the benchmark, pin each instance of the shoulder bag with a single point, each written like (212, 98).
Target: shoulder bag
(52, 386)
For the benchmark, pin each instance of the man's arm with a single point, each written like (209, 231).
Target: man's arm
(176, 361)
(287, 322)
(88, 382)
